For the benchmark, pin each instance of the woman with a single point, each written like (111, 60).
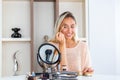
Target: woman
(74, 53)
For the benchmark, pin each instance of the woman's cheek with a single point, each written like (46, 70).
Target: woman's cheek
(64, 31)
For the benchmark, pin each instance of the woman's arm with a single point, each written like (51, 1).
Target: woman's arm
(62, 47)
(86, 62)
(63, 63)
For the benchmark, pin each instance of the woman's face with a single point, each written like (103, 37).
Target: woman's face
(68, 27)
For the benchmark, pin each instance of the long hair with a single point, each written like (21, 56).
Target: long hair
(60, 19)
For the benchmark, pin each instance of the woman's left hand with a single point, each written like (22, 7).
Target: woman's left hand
(88, 71)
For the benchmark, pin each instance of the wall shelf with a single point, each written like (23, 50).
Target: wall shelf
(11, 18)
(83, 39)
(15, 39)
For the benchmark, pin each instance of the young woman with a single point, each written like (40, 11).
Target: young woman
(74, 53)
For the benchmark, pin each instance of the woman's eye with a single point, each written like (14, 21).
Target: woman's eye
(72, 26)
(65, 26)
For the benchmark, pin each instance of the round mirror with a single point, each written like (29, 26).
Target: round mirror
(48, 54)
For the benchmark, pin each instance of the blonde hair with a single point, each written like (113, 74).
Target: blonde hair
(58, 23)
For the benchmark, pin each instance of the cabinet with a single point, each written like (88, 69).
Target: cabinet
(44, 14)
(36, 19)
(15, 13)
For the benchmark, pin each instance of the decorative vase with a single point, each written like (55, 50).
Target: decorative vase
(16, 34)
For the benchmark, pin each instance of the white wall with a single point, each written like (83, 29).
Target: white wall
(102, 36)
(0, 37)
(117, 22)
(43, 25)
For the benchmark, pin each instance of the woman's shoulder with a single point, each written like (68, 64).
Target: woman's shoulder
(53, 43)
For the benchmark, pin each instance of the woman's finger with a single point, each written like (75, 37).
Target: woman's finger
(88, 70)
(85, 70)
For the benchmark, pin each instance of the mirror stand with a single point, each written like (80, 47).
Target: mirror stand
(48, 58)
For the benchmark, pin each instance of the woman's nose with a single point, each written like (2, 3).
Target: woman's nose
(69, 29)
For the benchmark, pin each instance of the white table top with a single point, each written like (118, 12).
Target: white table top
(94, 77)
(99, 77)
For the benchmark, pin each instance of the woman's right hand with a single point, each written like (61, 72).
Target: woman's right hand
(88, 71)
(60, 38)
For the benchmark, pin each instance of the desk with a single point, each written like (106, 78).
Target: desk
(20, 77)
(94, 77)
(100, 77)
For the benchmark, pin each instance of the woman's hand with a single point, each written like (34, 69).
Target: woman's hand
(88, 71)
(60, 38)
